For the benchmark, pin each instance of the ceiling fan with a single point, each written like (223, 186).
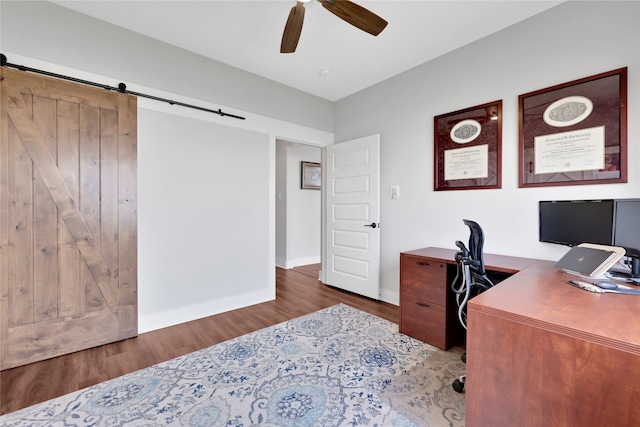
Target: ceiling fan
(354, 14)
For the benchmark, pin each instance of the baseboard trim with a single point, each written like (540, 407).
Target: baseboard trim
(291, 263)
(164, 319)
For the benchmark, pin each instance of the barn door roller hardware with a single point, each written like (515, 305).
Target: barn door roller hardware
(122, 88)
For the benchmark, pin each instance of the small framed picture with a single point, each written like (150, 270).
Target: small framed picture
(310, 175)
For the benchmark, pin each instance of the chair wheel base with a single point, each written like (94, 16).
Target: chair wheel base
(458, 385)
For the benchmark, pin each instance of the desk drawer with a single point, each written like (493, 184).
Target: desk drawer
(424, 279)
(423, 320)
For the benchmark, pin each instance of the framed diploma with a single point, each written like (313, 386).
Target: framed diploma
(575, 133)
(467, 146)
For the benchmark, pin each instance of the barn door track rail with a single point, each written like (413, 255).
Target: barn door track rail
(122, 88)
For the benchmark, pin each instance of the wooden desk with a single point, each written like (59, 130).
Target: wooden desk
(543, 353)
(428, 310)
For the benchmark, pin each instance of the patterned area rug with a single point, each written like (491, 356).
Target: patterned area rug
(335, 367)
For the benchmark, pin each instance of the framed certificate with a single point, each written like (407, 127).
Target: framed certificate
(467, 146)
(575, 133)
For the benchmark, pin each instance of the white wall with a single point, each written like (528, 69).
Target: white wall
(570, 41)
(281, 203)
(206, 190)
(298, 211)
(199, 235)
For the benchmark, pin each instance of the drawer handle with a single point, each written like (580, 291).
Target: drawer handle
(425, 263)
(421, 304)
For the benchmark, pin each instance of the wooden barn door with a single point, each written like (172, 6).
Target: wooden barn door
(68, 217)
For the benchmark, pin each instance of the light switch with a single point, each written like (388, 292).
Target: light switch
(395, 191)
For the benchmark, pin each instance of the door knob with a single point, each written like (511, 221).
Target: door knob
(372, 225)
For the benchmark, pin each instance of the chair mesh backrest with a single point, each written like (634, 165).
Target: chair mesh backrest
(476, 242)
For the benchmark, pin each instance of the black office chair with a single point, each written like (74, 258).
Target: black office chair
(470, 281)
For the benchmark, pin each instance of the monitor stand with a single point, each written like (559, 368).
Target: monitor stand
(629, 275)
(618, 273)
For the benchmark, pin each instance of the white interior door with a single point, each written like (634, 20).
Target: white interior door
(352, 240)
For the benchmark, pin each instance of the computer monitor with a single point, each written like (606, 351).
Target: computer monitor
(572, 222)
(626, 231)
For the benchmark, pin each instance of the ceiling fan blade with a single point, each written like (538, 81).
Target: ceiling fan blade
(292, 29)
(355, 15)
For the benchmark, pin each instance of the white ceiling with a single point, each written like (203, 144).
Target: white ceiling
(247, 34)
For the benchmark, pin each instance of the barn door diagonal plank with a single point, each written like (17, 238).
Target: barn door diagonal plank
(35, 144)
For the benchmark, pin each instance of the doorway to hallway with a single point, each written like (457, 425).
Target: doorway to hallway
(298, 210)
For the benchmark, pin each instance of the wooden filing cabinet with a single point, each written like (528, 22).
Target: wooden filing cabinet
(428, 310)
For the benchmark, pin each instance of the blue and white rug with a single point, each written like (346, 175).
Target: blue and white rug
(334, 367)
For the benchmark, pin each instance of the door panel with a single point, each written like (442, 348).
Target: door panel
(68, 231)
(352, 203)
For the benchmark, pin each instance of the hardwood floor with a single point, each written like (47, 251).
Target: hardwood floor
(296, 294)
